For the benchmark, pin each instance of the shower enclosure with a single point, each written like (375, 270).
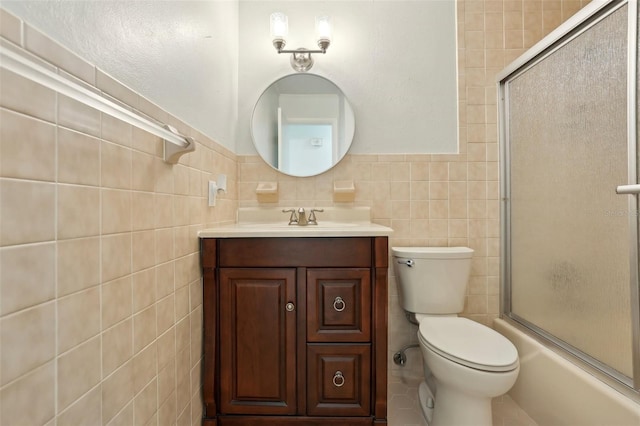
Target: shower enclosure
(569, 191)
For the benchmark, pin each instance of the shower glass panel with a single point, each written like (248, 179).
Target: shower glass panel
(569, 271)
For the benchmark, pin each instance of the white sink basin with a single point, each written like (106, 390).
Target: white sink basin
(278, 225)
(272, 222)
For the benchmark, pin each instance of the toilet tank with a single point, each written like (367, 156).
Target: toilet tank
(432, 280)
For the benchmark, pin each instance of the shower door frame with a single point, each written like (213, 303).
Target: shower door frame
(572, 28)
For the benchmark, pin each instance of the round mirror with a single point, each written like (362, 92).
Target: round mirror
(302, 125)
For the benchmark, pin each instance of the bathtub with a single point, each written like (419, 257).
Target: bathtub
(555, 392)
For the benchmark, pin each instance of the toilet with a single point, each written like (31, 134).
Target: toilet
(465, 363)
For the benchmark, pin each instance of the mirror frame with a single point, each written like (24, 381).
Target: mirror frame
(259, 129)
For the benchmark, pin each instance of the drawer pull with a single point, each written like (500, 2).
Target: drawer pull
(290, 307)
(338, 304)
(338, 379)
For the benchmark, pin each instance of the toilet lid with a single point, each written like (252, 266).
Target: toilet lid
(432, 252)
(468, 343)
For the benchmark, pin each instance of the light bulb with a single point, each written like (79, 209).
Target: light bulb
(323, 28)
(279, 25)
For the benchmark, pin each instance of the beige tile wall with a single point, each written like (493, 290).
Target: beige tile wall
(440, 200)
(100, 290)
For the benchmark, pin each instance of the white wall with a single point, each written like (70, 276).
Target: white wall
(394, 60)
(207, 62)
(181, 55)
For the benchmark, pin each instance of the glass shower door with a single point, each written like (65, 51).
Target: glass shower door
(569, 268)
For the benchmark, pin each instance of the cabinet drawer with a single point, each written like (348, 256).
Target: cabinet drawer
(339, 380)
(295, 252)
(338, 305)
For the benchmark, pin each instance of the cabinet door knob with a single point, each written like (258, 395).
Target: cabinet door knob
(338, 304)
(290, 307)
(338, 379)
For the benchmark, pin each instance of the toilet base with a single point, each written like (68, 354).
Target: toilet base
(424, 396)
(454, 408)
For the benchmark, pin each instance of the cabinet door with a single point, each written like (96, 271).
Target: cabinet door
(257, 341)
(339, 380)
(339, 305)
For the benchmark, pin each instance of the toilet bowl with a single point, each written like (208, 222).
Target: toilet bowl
(471, 364)
(465, 363)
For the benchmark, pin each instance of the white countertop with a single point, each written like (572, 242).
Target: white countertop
(271, 222)
(249, 230)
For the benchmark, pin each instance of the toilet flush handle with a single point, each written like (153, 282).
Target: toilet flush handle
(408, 262)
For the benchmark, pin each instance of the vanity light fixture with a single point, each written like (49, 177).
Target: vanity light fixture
(301, 59)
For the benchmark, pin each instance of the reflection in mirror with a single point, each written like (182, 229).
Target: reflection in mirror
(302, 125)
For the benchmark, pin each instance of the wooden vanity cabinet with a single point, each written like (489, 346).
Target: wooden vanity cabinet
(295, 331)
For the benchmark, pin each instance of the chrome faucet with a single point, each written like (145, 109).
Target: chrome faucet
(300, 218)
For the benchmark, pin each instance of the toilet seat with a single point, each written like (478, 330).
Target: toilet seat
(469, 343)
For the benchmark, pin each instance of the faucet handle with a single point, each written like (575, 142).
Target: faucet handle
(312, 216)
(293, 219)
